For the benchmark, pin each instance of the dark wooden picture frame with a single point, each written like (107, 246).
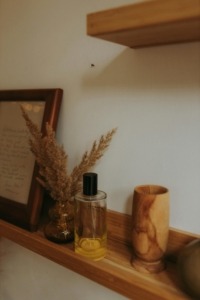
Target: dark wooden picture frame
(26, 213)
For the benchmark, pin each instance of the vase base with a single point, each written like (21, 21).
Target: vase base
(60, 240)
(148, 267)
(56, 235)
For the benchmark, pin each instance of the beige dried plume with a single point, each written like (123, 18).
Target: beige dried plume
(52, 160)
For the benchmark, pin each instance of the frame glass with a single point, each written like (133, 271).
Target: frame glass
(20, 194)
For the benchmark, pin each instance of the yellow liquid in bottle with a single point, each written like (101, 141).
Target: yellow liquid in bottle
(93, 248)
(90, 225)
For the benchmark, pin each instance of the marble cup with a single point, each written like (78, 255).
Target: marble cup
(150, 227)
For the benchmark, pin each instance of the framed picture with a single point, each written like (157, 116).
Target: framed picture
(20, 194)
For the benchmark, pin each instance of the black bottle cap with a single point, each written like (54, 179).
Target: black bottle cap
(90, 184)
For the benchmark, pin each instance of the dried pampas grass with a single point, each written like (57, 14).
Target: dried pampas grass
(52, 160)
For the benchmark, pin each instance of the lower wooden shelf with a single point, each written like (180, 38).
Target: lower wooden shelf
(115, 271)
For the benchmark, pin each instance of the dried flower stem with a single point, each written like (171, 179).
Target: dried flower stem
(52, 160)
(89, 159)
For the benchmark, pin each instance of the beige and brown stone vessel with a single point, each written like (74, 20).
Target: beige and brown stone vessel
(150, 227)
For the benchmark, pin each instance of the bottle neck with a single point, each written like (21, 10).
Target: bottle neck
(100, 196)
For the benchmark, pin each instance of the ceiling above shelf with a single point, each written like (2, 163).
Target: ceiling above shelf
(149, 23)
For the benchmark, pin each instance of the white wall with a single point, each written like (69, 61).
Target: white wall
(152, 95)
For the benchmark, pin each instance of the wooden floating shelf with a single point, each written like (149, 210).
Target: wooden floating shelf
(149, 23)
(115, 271)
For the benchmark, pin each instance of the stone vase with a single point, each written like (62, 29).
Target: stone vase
(150, 227)
(188, 265)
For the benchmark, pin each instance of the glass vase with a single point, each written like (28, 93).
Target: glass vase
(60, 228)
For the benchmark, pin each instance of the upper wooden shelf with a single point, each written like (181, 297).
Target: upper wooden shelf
(115, 270)
(148, 23)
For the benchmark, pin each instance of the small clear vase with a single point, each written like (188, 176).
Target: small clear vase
(60, 228)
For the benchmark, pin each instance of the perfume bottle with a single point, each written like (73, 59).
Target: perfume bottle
(90, 219)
